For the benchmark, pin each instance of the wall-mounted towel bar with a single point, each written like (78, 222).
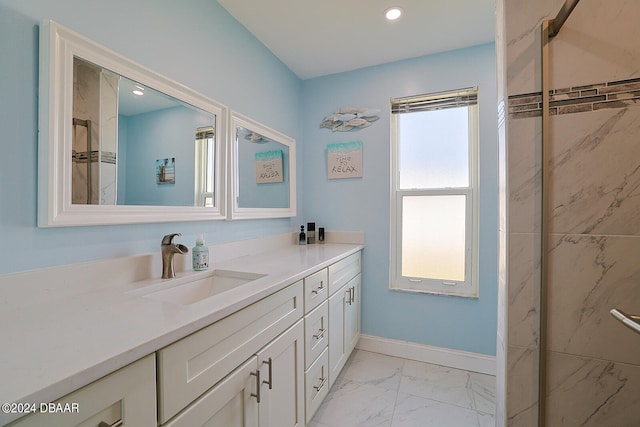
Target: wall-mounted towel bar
(629, 320)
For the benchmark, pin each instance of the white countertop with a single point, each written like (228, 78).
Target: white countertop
(59, 335)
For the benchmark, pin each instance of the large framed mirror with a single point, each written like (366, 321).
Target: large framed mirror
(119, 143)
(263, 171)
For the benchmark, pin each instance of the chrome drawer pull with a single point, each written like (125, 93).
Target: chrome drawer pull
(257, 393)
(320, 333)
(631, 321)
(118, 423)
(319, 386)
(270, 382)
(318, 289)
(353, 294)
(350, 297)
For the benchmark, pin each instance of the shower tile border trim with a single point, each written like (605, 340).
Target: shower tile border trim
(577, 99)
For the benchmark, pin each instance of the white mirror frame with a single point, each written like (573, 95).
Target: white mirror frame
(58, 46)
(237, 212)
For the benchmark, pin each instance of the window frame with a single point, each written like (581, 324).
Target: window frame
(204, 155)
(469, 287)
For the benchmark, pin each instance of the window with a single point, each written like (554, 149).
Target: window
(203, 189)
(434, 197)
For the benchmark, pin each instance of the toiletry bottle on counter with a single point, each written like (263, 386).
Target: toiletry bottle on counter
(200, 254)
(302, 237)
(311, 233)
(321, 234)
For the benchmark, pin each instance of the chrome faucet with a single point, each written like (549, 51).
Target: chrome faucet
(169, 249)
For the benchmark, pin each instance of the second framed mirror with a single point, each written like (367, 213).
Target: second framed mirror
(263, 171)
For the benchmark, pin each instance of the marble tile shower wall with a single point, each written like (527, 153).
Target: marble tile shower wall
(523, 280)
(86, 107)
(593, 363)
(593, 266)
(96, 100)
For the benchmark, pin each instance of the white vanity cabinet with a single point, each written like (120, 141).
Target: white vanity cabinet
(265, 391)
(125, 397)
(266, 364)
(203, 367)
(344, 312)
(332, 326)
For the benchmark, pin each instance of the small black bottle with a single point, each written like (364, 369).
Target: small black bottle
(302, 237)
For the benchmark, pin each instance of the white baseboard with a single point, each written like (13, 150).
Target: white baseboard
(459, 359)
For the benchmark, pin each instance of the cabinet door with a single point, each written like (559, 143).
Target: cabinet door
(344, 325)
(282, 380)
(337, 344)
(233, 402)
(127, 395)
(352, 316)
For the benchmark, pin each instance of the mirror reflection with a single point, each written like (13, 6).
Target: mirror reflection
(263, 171)
(133, 145)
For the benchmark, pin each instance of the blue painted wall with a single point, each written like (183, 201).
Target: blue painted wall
(231, 66)
(161, 134)
(363, 203)
(197, 44)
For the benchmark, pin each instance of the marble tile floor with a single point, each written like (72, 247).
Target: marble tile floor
(378, 390)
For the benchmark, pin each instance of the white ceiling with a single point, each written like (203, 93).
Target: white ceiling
(131, 105)
(319, 37)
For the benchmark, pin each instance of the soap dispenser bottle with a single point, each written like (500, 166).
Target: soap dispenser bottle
(200, 254)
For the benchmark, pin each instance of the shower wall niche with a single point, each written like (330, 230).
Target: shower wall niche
(95, 124)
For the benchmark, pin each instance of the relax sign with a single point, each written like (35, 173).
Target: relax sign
(344, 160)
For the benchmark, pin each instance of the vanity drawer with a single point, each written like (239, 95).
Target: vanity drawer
(316, 333)
(191, 366)
(315, 289)
(316, 380)
(343, 271)
(316, 384)
(127, 395)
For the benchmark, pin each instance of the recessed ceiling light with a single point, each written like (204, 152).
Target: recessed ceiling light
(138, 92)
(393, 13)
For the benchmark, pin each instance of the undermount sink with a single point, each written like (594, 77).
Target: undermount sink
(200, 289)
